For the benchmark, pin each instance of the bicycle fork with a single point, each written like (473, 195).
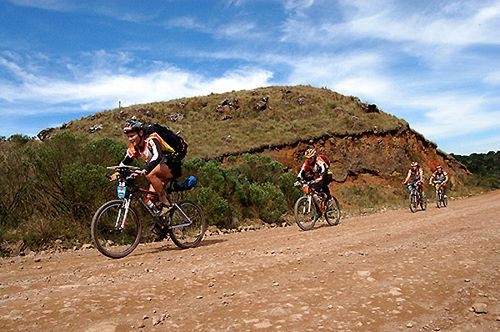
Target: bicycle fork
(308, 207)
(122, 214)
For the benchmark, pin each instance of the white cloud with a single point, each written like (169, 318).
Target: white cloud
(55, 5)
(400, 22)
(238, 30)
(493, 78)
(455, 115)
(357, 74)
(103, 8)
(468, 146)
(99, 90)
(186, 22)
(297, 6)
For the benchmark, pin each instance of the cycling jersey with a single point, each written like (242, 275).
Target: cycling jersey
(415, 176)
(318, 169)
(152, 152)
(439, 177)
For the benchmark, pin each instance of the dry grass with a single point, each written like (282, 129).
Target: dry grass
(292, 114)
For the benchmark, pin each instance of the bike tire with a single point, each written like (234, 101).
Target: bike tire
(188, 236)
(332, 212)
(112, 242)
(438, 199)
(305, 215)
(423, 201)
(413, 202)
(445, 201)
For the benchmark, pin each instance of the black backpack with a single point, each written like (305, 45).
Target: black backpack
(175, 141)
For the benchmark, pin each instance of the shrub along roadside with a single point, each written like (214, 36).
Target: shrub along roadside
(53, 188)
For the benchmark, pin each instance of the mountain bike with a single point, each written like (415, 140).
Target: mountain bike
(416, 198)
(441, 199)
(310, 207)
(116, 227)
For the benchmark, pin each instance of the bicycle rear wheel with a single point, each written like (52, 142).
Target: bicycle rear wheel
(332, 213)
(115, 231)
(444, 200)
(187, 224)
(306, 213)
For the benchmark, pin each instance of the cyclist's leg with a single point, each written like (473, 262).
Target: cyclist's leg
(175, 166)
(157, 178)
(327, 179)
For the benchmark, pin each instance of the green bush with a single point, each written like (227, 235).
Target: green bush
(105, 152)
(260, 169)
(20, 139)
(216, 208)
(83, 186)
(292, 193)
(268, 200)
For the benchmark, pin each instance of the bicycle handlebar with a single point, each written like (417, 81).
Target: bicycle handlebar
(126, 172)
(124, 167)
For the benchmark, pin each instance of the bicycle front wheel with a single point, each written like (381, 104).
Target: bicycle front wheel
(332, 213)
(423, 201)
(413, 202)
(305, 213)
(116, 229)
(187, 224)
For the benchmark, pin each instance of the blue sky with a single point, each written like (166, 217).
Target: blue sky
(434, 63)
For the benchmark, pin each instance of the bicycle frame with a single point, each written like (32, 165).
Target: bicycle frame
(312, 197)
(129, 183)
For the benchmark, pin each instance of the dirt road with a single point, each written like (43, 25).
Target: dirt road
(430, 271)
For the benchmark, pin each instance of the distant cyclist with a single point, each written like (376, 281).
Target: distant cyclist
(316, 169)
(162, 165)
(440, 179)
(415, 176)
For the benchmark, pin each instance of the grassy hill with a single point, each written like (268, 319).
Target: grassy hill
(240, 121)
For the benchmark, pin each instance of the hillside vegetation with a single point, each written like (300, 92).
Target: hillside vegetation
(485, 167)
(243, 121)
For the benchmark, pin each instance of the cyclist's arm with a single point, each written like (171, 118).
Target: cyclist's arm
(155, 147)
(431, 178)
(407, 177)
(129, 158)
(302, 172)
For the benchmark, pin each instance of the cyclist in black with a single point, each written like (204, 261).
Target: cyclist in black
(415, 176)
(440, 178)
